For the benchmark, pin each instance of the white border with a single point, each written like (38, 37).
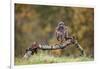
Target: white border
(69, 65)
(75, 3)
(12, 36)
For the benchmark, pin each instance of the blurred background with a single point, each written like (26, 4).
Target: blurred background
(38, 23)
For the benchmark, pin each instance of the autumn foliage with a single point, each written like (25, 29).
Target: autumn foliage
(38, 23)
